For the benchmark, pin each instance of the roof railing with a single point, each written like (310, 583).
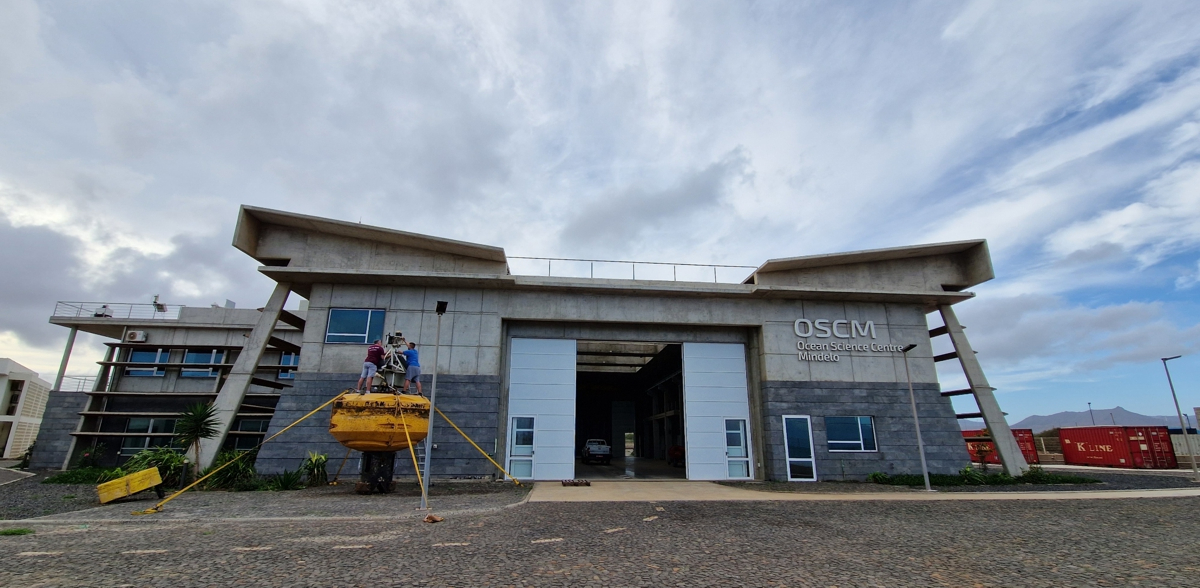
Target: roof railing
(78, 383)
(117, 310)
(568, 267)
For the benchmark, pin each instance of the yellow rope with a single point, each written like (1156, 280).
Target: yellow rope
(158, 507)
(413, 452)
(489, 458)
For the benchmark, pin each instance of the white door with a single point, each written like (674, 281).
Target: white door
(797, 437)
(520, 447)
(715, 392)
(541, 386)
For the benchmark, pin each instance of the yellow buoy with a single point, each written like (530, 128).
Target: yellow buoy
(378, 422)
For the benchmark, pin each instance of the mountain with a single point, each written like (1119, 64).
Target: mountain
(1103, 416)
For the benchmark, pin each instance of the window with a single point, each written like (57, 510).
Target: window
(354, 325)
(850, 433)
(798, 446)
(134, 445)
(146, 356)
(254, 425)
(288, 358)
(202, 356)
(737, 458)
(246, 442)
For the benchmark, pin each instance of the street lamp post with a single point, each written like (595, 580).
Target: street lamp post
(1186, 438)
(437, 343)
(912, 398)
(1091, 415)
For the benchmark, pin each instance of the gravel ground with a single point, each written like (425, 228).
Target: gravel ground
(1109, 481)
(28, 498)
(1133, 542)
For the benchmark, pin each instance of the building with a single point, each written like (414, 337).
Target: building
(796, 373)
(23, 397)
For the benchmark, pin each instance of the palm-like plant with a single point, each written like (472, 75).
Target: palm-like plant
(196, 422)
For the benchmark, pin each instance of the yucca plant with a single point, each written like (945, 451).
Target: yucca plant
(314, 468)
(196, 422)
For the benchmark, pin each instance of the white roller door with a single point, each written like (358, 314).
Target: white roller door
(716, 411)
(541, 384)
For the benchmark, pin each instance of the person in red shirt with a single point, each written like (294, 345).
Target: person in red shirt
(370, 366)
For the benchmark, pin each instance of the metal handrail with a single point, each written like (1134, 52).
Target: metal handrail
(633, 266)
(78, 383)
(116, 310)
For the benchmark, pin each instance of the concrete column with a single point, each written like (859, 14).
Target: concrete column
(1006, 446)
(233, 391)
(62, 367)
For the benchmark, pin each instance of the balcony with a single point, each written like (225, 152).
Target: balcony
(116, 311)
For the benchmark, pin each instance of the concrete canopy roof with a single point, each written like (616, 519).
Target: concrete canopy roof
(975, 250)
(250, 218)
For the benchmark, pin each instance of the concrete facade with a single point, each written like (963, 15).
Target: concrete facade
(822, 336)
(23, 397)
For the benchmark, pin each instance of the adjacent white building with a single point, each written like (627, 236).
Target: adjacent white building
(23, 397)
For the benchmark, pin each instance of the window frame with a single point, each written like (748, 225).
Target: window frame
(161, 356)
(787, 452)
(368, 335)
(862, 440)
(285, 374)
(151, 437)
(214, 356)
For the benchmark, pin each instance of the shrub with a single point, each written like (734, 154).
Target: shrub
(91, 456)
(17, 531)
(972, 476)
(25, 457)
(170, 463)
(92, 475)
(238, 475)
(314, 469)
(288, 480)
(877, 477)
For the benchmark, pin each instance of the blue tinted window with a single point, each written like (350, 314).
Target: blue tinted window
(146, 356)
(850, 433)
(202, 356)
(354, 325)
(796, 433)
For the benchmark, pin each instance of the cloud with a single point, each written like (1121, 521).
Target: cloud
(612, 221)
(670, 131)
(1032, 338)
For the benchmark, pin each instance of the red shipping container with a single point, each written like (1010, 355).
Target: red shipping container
(1118, 447)
(1024, 439)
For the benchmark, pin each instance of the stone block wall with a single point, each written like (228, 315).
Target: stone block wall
(895, 435)
(58, 422)
(472, 402)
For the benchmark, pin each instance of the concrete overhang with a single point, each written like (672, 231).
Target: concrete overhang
(301, 280)
(252, 218)
(971, 256)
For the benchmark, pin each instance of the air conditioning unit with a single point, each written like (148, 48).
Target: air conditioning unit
(135, 337)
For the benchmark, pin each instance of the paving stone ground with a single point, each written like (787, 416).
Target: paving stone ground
(1134, 542)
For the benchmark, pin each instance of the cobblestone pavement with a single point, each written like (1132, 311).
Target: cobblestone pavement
(847, 544)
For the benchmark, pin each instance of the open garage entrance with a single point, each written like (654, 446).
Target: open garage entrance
(665, 410)
(631, 396)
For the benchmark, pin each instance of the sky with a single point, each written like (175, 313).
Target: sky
(1067, 134)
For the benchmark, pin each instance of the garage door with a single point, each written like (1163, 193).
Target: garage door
(716, 411)
(541, 392)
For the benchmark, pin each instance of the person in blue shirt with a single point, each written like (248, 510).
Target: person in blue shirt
(412, 373)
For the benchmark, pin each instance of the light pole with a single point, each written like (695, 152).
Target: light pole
(912, 398)
(1186, 438)
(1091, 415)
(437, 343)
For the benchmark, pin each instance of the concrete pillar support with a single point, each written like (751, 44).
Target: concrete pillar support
(62, 367)
(233, 391)
(993, 418)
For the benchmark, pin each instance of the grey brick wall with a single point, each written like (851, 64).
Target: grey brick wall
(472, 402)
(895, 434)
(58, 422)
